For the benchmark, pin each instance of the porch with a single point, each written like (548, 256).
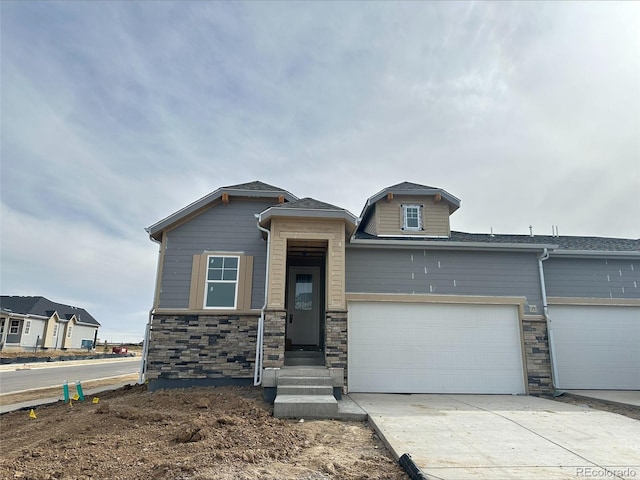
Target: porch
(305, 322)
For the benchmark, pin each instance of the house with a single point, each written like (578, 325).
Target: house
(35, 322)
(252, 279)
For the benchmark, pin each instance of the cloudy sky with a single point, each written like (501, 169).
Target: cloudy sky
(116, 114)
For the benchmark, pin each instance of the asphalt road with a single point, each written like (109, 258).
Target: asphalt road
(52, 376)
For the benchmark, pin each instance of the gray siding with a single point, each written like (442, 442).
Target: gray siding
(592, 278)
(371, 270)
(229, 227)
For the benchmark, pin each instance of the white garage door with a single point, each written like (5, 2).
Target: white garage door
(596, 347)
(434, 348)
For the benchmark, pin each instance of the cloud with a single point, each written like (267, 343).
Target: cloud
(115, 115)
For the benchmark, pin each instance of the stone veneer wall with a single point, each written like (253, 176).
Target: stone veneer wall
(202, 347)
(336, 340)
(274, 338)
(536, 347)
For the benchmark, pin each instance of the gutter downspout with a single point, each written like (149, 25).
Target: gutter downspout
(142, 377)
(545, 308)
(257, 375)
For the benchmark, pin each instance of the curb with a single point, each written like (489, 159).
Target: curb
(62, 358)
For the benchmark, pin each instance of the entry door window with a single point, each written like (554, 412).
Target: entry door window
(304, 292)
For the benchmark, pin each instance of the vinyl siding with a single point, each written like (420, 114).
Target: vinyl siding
(371, 227)
(592, 278)
(330, 230)
(230, 228)
(373, 270)
(435, 216)
(37, 330)
(82, 332)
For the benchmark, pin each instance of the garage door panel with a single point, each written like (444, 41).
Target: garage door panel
(596, 347)
(434, 348)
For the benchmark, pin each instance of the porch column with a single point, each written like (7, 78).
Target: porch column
(273, 338)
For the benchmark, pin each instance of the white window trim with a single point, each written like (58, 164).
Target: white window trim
(27, 327)
(55, 330)
(11, 327)
(69, 330)
(420, 209)
(207, 281)
(2, 324)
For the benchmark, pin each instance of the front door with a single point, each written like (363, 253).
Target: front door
(303, 306)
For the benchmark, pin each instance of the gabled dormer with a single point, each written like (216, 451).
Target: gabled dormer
(409, 210)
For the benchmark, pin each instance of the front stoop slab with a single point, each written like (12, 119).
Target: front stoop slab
(305, 406)
(347, 410)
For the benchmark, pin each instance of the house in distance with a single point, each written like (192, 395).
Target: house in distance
(27, 323)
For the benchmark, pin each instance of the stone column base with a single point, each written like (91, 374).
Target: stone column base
(274, 338)
(335, 350)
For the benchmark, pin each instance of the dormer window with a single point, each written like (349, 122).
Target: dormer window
(412, 217)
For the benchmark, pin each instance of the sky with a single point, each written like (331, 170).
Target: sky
(114, 115)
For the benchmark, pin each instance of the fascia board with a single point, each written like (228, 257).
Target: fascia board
(88, 324)
(511, 247)
(212, 197)
(594, 253)
(16, 314)
(307, 213)
(422, 191)
(451, 199)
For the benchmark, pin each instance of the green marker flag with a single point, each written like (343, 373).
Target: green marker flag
(79, 390)
(65, 390)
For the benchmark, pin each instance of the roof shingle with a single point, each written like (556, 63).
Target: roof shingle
(255, 186)
(44, 307)
(596, 244)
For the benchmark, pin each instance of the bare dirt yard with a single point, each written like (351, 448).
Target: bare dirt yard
(200, 433)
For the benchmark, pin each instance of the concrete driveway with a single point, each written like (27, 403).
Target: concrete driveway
(505, 437)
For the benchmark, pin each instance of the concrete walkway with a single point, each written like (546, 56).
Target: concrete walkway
(505, 437)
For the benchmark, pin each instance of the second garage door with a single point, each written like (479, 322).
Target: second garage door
(596, 347)
(434, 348)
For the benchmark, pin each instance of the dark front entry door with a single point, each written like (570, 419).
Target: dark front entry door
(303, 306)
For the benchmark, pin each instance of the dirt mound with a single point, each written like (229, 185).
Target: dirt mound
(203, 433)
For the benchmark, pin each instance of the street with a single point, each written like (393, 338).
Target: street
(51, 375)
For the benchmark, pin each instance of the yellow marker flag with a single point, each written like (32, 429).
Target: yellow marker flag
(76, 397)
(32, 414)
(95, 400)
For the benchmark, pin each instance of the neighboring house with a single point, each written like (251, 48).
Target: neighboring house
(251, 278)
(30, 322)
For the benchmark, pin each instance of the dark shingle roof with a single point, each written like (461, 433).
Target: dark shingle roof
(409, 186)
(255, 186)
(44, 307)
(310, 203)
(595, 244)
(563, 242)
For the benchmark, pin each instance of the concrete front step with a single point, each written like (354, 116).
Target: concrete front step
(298, 381)
(304, 371)
(305, 390)
(305, 406)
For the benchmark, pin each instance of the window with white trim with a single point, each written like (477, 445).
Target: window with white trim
(222, 281)
(14, 327)
(27, 327)
(55, 330)
(2, 322)
(412, 217)
(69, 330)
